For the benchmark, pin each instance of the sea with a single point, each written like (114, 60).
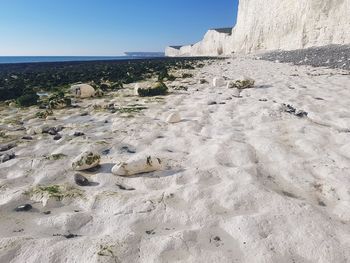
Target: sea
(35, 59)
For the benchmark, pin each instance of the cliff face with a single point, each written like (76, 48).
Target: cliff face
(280, 24)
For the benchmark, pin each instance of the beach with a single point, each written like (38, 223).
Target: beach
(253, 175)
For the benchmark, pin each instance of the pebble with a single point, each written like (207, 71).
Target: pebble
(57, 137)
(23, 208)
(212, 103)
(28, 138)
(78, 134)
(81, 180)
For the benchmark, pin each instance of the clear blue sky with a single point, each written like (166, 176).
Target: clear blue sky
(106, 27)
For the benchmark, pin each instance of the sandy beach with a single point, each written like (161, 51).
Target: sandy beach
(244, 178)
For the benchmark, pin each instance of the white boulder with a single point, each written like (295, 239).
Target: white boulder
(83, 91)
(86, 160)
(144, 164)
(173, 117)
(218, 82)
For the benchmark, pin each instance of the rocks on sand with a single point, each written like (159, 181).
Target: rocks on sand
(173, 117)
(81, 180)
(143, 164)
(86, 160)
(241, 83)
(83, 91)
(147, 89)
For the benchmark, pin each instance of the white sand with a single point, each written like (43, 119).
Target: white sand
(244, 182)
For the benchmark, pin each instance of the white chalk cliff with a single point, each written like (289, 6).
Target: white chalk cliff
(277, 24)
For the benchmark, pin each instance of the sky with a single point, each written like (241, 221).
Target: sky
(106, 27)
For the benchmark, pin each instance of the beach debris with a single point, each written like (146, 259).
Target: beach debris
(81, 180)
(173, 117)
(82, 91)
(147, 90)
(145, 164)
(291, 110)
(241, 83)
(86, 160)
(23, 208)
(219, 82)
(7, 147)
(7, 157)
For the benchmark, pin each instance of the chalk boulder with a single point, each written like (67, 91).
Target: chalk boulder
(83, 91)
(173, 117)
(143, 164)
(85, 161)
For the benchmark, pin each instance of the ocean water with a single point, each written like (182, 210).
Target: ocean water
(29, 59)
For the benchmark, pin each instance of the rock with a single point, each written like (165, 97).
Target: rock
(81, 180)
(241, 83)
(51, 118)
(135, 166)
(52, 131)
(28, 138)
(82, 91)
(212, 102)
(291, 110)
(78, 134)
(7, 157)
(218, 82)
(57, 137)
(7, 147)
(147, 90)
(23, 208)
(174, 117)
(86, 161)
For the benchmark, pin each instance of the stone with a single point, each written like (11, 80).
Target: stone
(31, 131)
(241, 83)
(83, 91)
(52, 131)
(86, 160)
(24, 208)
(28, 138)
(51, 118)
(78, 134)
(7, 147)
(138, 165)
(7, 157)
(81, 180)
(57, 137)
(219, 82)
(173, 117)
(212, 102)
(147, 89)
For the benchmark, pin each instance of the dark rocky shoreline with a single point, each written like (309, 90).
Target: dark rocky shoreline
(331, 56)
